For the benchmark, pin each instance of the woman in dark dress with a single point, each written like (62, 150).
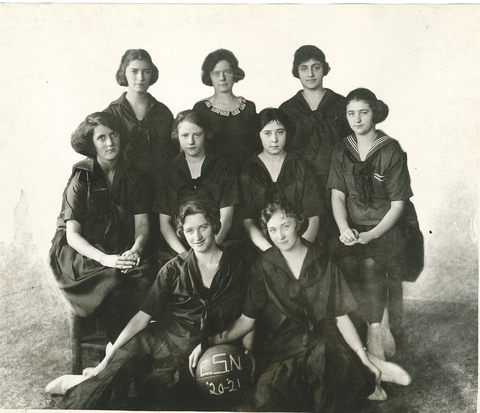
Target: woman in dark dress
(97, 254)
(232, 117)
(308, 353)
(196, 172)
(196, 294)
(275, 174)
(319, 116)
(370, 187)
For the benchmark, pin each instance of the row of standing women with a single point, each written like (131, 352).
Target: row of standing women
(236, 163)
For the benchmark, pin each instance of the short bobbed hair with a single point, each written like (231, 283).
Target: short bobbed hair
(288, 210)
(196, 117)
(198, 205)
(131, 55)
(304, 54)
(379, 108)
(268, 115)
(82, 138)
(211, 61)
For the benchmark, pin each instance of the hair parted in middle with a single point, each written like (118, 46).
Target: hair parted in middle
(129, 56)
(216, 56)
(193, 116)
(82, 138)
(304, 54)
(288, 210)
(268, 115)
(198, 205)
(379, 108)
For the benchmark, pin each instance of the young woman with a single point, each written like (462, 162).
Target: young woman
(196, 295)
(147, 121)
(231, 116)
(97, 254)
(274, 175)
(308, 353)
(195, 172)
(370, 187)
(319, 116)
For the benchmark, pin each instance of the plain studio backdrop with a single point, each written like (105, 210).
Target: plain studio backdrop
(58, 64)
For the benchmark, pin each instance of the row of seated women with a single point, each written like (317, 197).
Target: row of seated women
(236, 193)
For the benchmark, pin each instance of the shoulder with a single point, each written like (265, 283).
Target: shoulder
(249, 105)
(160, 107)
(114, 105)
(289, 104)
(391, 146)
(202, 104)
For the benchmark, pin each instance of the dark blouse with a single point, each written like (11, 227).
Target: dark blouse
(317, 131)
(290, 313)
(233, 132)
(176, 186)
(384, 169)
(182, 305)
(106, 216)
(149, 142)
(296, 184)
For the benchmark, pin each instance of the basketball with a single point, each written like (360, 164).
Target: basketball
(224, 371)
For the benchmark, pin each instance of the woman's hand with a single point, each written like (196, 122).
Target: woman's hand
(374, 369)
(349, 236)
(365, 237)
(193, 358)
(121, 262)
(97, 370)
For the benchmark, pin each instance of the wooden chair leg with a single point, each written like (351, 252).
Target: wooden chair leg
(75, 344)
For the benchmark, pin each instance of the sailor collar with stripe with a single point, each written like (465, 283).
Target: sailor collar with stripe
(243, 103)
(381, 140)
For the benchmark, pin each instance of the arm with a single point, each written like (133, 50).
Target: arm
(226, 218)
(237, 329)
(347, 235)
(169, 234)
(76, 240)
(349, 333)
(256, 235)
(312, 230)
(387, 223)
(138, 322)
(142, 231)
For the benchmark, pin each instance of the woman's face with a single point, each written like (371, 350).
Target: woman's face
(138, 74)
(311, 74)
(283, 231)
(199, 233)
(222, 77)
(106, 142)
(191, 138)
(360, 117)
(274, 138)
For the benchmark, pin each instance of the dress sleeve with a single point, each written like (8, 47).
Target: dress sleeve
(247, 209)
(257, 297)
(397, 182)
(231, 192)
(311, 202)
(142, 196)
(341, 299)
(161, 204)
(336, 177)
(76, 199)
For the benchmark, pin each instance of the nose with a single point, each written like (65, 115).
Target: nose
(222, 75)
(310, 72)
(109, 141)
(357, 117)
(198, 235)
(281, 234)
(190, 140)
(274, 138)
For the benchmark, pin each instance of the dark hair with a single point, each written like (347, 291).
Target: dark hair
(289, 210)
(379, 109)
(268, 115)
(211, 61)
(82, 138)
(199, 205)
(131, 55)
(304, 54)
(193, 116)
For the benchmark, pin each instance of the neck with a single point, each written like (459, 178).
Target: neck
(224, 97)
(211, 256)
(314, 93)
(367, 138)
(135, 97)
(268, 157)
(107, 166)
(195, 159)
(295, 251)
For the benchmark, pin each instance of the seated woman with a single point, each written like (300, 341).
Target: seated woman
(194, 172)
(196, 295)
(102, 229)
(370, 197)
(308, 353)
(274, 175)
(232, 117)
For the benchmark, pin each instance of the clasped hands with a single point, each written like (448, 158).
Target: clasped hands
(351, 236)
(124, 262)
